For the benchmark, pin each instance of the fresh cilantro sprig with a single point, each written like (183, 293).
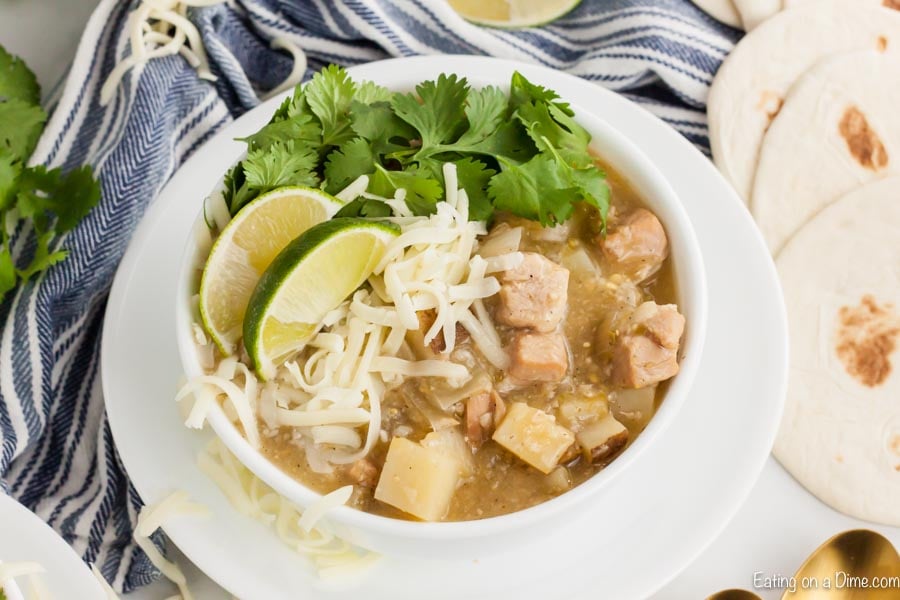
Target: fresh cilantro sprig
(520, 151)
(53, 201)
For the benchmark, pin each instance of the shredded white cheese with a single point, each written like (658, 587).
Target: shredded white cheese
(31, 570)
(331, 398)
(151, 518)
(303, 531)
(158, 28)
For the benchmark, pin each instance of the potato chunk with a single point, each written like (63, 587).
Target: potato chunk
(418, 480)
(533, 436)
(603, 438)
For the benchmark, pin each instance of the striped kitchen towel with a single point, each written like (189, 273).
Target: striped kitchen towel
(57, 455)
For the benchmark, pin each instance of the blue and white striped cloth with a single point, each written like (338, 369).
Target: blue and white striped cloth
(57, 455)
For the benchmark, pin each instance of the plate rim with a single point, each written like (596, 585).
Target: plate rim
(69, 573)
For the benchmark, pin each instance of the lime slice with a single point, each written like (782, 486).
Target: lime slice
(512, 13)
(309, 278)
(247, 245)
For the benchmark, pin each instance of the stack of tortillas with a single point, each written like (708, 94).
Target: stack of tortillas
(804, 120)
(747, 14)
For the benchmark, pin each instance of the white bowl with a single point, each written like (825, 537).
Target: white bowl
(455, 539)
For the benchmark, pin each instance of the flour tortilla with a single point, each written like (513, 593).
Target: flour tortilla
(754, 12)
(885, 3)
(756, 76)
(838, 129)
(840, 437)
(723, 11)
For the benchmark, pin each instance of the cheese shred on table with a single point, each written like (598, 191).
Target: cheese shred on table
(158, 28)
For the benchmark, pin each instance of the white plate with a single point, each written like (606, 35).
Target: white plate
(25, 537)
(653, 522)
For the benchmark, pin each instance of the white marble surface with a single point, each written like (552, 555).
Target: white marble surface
(772, 534)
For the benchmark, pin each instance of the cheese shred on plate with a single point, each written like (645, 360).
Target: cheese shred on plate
(331, 399)
(305, 532)
(151, 518)
(31, 570)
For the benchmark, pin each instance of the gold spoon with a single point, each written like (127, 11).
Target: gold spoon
(734, 594)
(850, 564)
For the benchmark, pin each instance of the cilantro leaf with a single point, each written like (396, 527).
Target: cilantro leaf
(10, 170)
(522, 91)
(43, 259)
(369, 93)
(293, 121)
(279, 165)
(20, 127)
(55, 202)
(365, 207)
(473, 177)
(292, 105)
(77, 194)
(329, 95)
(264, 169)
(544, 128)
(17, 82)
(348, 162)
(485, 111)
(7, 272)
(422, 191)
(377, 123)
(36, 185)
(440, 113)
(44, 194)
(539, 190)
(299, 127)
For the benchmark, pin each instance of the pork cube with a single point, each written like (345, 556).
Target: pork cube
(534, 294)
(484, 410)
(538, 357)
(534, 436)
(637, 244)
(646, 352)
(603, 438)
(662, 323)
(638, 361)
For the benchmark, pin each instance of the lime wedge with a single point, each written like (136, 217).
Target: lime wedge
(310, 277)
(512, 13)
(247, 245)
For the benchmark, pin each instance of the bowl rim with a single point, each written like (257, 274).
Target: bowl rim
(690, 281)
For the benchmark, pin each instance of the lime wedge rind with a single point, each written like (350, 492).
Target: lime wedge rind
(310, 277)
(231, 272)
(521, 13)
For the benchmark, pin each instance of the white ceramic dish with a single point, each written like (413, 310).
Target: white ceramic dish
(397, 536)
(25, 537)
(657, 516)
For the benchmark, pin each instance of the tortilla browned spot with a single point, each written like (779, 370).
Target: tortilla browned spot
(866, 337)
(894, 444)
(895, 4)
(863, 143)
(770, 103)
(881, 44)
